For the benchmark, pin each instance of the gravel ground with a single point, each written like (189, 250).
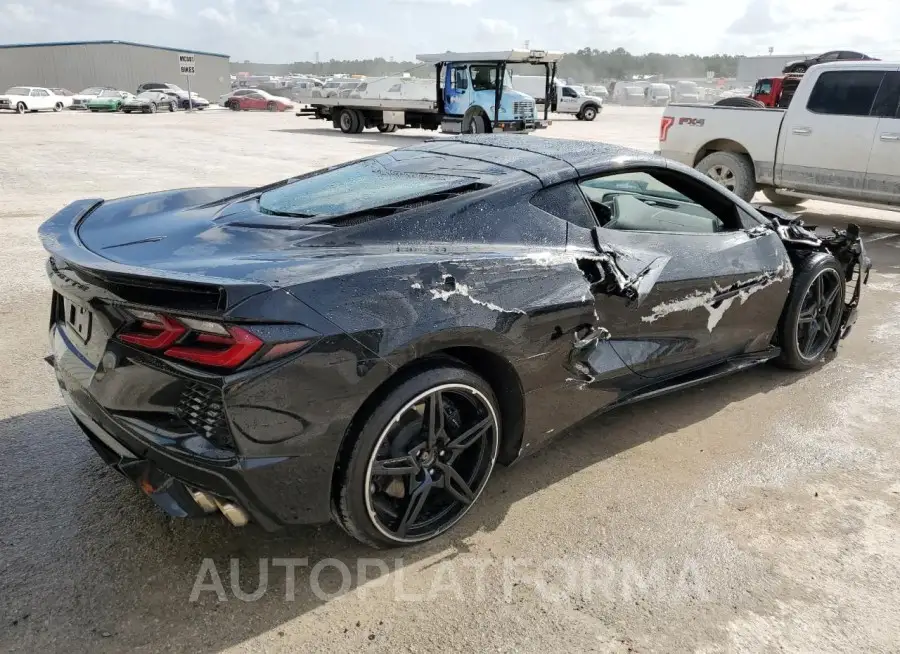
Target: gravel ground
(756, 513)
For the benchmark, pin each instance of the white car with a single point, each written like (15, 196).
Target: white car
(22, 99)
(80, 100)
(65, 95)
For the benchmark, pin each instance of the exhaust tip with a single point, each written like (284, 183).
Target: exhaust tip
(204, 501)
(233, 513)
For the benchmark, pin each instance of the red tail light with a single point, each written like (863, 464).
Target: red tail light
(203, 342)
(218, 351)
(664, 125)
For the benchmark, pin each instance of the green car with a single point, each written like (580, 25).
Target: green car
(108, 100)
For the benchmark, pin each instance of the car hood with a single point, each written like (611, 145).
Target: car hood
(10, 97)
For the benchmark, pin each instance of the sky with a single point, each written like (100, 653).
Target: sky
(281, 31)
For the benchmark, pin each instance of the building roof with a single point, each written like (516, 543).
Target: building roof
(138, 45)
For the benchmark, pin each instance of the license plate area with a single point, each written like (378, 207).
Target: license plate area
(79, 319)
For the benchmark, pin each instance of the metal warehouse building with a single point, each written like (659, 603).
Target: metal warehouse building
(123, 65)
(751, 69)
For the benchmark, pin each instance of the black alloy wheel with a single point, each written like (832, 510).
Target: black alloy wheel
(419, 465)
(820, 314)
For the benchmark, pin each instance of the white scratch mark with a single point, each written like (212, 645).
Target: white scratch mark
(417, 286)
(463, 290)
(706, 299)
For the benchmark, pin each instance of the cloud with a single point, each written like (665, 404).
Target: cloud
(494, 27)
(756, 20)
(212, 14)
(18, 13)
(630, 10)
(847, 8)
(460, 3)
(161, 8)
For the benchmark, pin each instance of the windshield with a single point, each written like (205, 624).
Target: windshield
(17, 90)
(109, 94)
(147, 95)
(91, 91)
(355, 187)
(689, 87)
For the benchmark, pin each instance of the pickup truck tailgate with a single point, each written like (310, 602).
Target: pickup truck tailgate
(689, 131)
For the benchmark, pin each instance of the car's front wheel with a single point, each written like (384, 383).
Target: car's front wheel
(172, 107)
(811, 318)
(421, 459)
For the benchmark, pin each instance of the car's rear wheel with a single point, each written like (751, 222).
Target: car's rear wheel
(173, 107)
(477, 125)
(58, 106)
(152, 107)
(589, 113)
(421, 459)
(812, 316)
(732, 170)
(348, 121)
(21, 108)
(387, 129)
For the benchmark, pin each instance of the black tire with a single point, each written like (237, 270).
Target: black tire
(93, 111)
(357, 488)
(578, 116)
(173, 107)
(58, 106)
(476, 125)
(810, 267)
(589, 113)
(360, 121)
(21, 108)
(152, 107)
(145, 110)
(271, 106)
(126, 111)
(387, 129)
(780, 200)
(747, 103)
(799, 70)
(732, 170)
(348, 121)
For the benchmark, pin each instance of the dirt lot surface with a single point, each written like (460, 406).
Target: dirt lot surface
(756, 513)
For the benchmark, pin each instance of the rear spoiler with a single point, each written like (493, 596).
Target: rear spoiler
(59, 236)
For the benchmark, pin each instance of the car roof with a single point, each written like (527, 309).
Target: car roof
(550, 160)
(858, 65)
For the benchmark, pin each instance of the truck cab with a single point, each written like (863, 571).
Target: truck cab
(770, 90)
(573, 99)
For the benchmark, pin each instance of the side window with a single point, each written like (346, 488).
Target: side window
(659, 200)
(565, 201)
(887, 102)
(764, 87)
(569, 93)
(460, 79)
(845, 93)
(394, 89)
(829, 56)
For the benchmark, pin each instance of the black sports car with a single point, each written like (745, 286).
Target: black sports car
(834, 55)
(366, 342)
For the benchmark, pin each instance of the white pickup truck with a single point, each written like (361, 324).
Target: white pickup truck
(838, 140)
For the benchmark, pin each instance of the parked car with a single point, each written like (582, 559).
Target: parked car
(658, 94)
(196, 100)
(837, 140)
(376, 365)
(109, 100)
(686, 91)
(65, 95)
(258, 101)
(23, 99)
(233, 94)
(833, 55)
(149, 102)
(80, 100)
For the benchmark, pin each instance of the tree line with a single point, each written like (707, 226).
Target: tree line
(585, 65)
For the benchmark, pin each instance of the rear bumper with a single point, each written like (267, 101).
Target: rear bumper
(274, 488)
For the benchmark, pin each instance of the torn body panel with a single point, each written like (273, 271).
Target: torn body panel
(845, 244)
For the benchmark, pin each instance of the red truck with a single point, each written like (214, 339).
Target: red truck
(776, 91)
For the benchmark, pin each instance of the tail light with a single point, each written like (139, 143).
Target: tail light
(202, 342)
(664, 125)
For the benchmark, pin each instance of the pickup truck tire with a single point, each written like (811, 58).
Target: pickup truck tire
(589, 112)
(732, 170)
(475, 125)
(811, 318)
(780, 200)
(747, 103)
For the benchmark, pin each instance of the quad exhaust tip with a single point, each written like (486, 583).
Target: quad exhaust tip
(232, 512)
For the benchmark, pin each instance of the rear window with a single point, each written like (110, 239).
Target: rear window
(845, 93)
(17, 90)
(358, 186)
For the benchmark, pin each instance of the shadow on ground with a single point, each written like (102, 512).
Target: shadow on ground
(397, 139)
(74, 531)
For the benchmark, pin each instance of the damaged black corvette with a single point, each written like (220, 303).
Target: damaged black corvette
(366, 342)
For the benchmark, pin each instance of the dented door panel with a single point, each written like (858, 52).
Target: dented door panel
(714, 296)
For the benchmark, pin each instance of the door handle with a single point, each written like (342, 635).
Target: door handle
(802, 131)
(890, 137)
